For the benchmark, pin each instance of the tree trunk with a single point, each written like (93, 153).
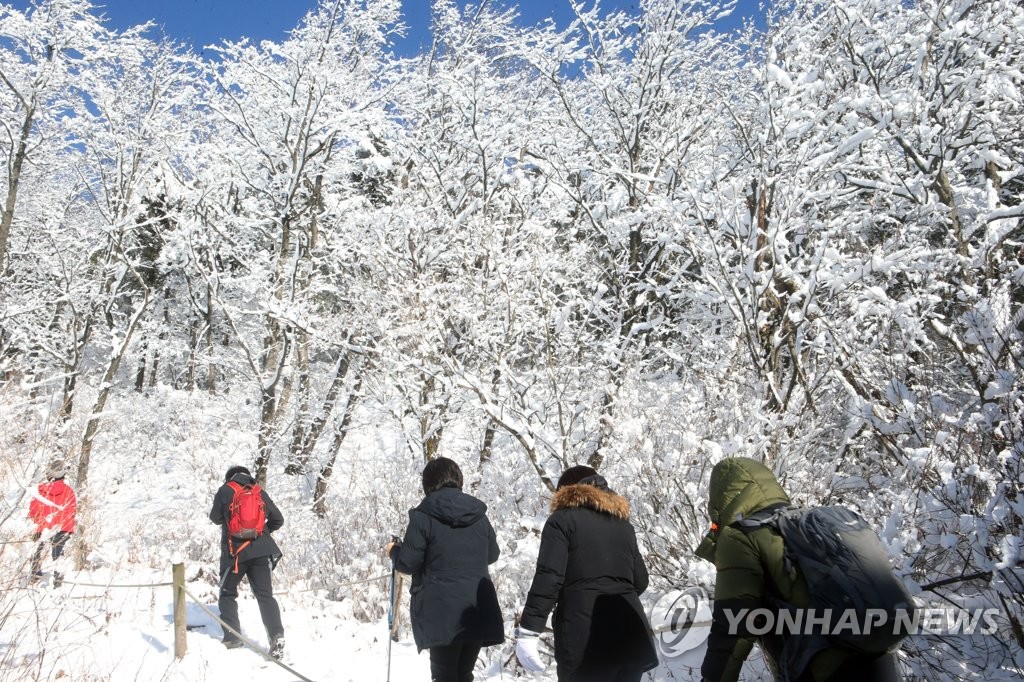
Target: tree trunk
(296, 462)
(212, 367)
(303, 450)
(320, 491)
(193, 342)
(71, 380)
(13, 182)
(431, 425)
(278, 342)
(485, 447)
(93, 425)
(265, 434)
(946, 196)
(140, 373)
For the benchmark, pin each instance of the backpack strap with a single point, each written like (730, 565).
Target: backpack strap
(757, 520)
(762, 517)
(238, 551)
(236, 488)
(767, 517)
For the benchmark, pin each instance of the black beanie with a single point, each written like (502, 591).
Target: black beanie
(576, 474)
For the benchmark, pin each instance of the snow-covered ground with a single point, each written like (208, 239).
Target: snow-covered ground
(80, 632)
(112, 621)
(125, 632)
(147, 507)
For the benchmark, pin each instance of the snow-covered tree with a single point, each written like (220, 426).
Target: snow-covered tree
(273, 189)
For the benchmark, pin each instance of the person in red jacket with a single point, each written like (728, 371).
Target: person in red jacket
(53, 507)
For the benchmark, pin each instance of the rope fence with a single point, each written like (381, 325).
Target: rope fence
(111, 585)
(181, 627)
(311, 589)
(249, 644)
(334, 587)
(178, 608)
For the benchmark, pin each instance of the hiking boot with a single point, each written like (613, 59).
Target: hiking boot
(232, 643)
(277, 647)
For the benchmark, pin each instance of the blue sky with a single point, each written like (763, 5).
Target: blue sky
(205, 22)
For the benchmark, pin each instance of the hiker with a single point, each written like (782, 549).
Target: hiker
(447, 548)
(53, 506)
(249, 552)
(589, 570)
(754, 573)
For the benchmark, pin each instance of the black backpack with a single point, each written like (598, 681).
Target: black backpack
(846, 568)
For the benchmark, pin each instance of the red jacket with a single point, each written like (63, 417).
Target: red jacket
(54, 507)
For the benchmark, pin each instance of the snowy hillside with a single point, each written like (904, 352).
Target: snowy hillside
(112, 620)
(633, 242)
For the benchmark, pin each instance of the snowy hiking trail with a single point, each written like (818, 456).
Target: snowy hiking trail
(103, 625)
(85, 631)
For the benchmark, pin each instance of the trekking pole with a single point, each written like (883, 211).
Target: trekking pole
(391, 609)
(964, 577)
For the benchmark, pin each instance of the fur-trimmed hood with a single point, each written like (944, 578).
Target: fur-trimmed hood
(591, 497)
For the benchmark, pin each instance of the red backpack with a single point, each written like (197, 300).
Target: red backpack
(247, 513)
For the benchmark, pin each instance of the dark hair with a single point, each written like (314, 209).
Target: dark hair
(441, 472)
(574, 475)
(55, 470)
(234, 470)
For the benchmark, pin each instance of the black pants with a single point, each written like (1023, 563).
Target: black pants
(258, 571)
(57, 543)
(881, 669)
(453, 663)
(610, 673)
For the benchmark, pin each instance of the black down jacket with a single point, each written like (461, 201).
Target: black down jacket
(262, 546)
(590, 571)
(447, 547)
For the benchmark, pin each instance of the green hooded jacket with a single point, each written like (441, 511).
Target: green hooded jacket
(750, 565)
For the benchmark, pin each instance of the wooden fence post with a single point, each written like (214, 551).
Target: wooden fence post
(178, 582)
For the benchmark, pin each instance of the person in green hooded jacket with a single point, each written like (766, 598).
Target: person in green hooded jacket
(751, 570)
